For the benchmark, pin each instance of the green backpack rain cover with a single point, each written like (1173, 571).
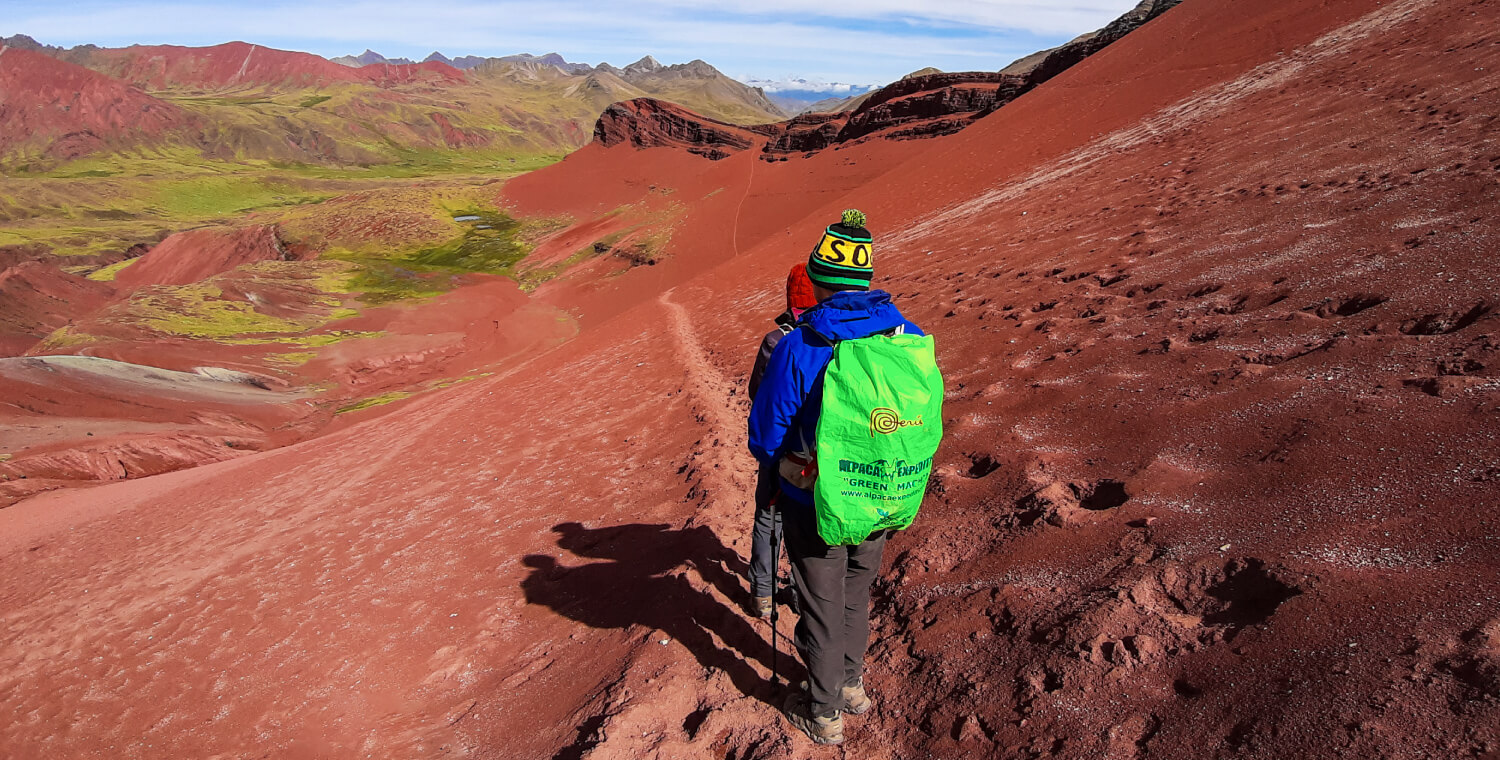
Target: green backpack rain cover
(880, 425)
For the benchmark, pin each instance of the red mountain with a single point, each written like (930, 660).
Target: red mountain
(239, 63)
(199, 254)
(1216, 314)
(60, 110)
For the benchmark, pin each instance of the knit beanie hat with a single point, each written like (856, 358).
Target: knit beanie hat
(799, 290)
(841, 260)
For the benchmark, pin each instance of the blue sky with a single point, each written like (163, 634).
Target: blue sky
(865, 42)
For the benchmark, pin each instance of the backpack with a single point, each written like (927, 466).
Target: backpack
(879, 427)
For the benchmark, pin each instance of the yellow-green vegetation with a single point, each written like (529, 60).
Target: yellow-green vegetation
(107, 274)
(200, 310)
(212, 196)
(392, 396)
(336, 336)
(64, 338)
(292, 358)
(373, 401)
(308, 295)
(651, 247)
(409, 243)
(106, 204)
(533, 278)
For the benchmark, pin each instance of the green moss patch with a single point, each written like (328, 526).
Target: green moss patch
(107, 274)
(374, 401)
(292, 358)
(200, 311)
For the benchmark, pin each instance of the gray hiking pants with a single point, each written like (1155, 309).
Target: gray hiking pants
(763, 549)
(833, 583)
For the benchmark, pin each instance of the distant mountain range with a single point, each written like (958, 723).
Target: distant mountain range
(466, 62)
(245, 101)
(645, 65)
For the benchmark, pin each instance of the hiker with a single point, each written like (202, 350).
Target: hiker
(765, 549)
(849, 412)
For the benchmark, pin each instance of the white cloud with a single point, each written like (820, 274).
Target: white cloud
(800, 84)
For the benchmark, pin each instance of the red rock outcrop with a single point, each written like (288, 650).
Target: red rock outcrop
(651, 123)
(132, 457)
(926, 105)
(198, 254)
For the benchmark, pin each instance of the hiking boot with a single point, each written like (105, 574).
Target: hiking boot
(760, 606)
(856, 701)
(798, 710)
(789, 598)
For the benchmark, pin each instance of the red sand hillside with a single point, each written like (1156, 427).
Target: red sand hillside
(198, 254)
(241, 63)
(1216, 309)
(916, 106)
(60, 110)
(37, 298)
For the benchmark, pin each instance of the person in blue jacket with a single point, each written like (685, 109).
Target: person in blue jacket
(833, 582)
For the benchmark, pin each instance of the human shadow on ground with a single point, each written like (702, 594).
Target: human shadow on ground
(643, 581)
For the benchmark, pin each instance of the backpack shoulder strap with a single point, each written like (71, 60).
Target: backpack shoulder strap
(818, 338)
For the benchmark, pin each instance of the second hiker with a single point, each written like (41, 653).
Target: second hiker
(764, 551)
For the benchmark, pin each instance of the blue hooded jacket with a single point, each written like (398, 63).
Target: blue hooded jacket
(786, 406)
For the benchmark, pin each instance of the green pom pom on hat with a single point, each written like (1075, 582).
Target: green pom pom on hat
(854, 218)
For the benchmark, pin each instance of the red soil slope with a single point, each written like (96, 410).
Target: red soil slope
(86, 419)
(199, 254)
(60, 110)
(915, 107)
(240, 63)
(1216, 312)
(37, 298)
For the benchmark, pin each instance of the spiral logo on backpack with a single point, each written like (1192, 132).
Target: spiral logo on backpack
(885, 421)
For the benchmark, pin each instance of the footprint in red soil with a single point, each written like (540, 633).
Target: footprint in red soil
(1348, 307)
(1273, 358)
(1447, 322)
(1254, 301)
(1063, 504)
(1246, 594)
(1099, 495)
(980, 465)
(1477, 663)
(1152, 613)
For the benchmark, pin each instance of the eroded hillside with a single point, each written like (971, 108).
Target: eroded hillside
(1217, 313)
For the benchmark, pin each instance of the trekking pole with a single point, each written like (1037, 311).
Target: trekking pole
(775, 581)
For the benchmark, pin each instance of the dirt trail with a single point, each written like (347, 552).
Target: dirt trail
(1219, 460)
(729, 707)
